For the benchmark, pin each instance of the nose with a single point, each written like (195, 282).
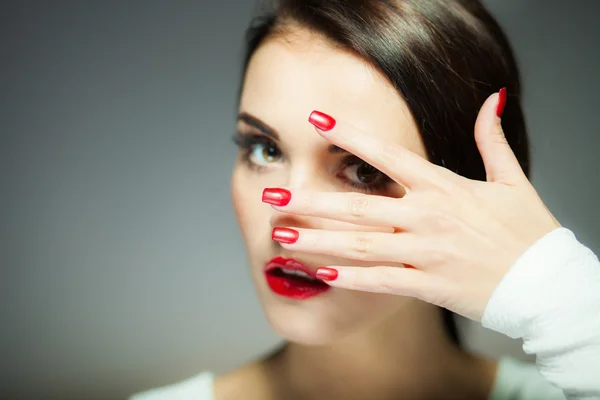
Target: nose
(306, 177)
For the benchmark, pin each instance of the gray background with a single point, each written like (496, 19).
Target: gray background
(121, 264)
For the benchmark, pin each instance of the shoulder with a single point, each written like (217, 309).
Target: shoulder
(248, 382)
(198, 387)
(519, 380)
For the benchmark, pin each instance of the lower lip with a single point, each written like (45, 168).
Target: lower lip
(293, 288)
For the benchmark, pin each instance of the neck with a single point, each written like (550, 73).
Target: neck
(407, 354)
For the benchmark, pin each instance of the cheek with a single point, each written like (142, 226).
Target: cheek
(251, 213)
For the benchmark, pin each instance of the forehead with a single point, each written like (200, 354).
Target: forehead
(291, 75)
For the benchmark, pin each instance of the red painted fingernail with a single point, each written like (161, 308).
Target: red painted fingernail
(276, 196)
(501, 102)
(322, 121)
(285, 235)
(327, 274)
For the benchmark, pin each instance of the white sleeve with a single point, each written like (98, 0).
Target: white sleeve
(551, 299)
(199, 387)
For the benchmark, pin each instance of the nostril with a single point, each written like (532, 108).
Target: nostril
(283, 219)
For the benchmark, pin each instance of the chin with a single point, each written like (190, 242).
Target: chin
(323, 317)
(302, 325)
(301, 312)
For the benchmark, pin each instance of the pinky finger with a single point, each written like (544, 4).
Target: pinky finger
(391, 280)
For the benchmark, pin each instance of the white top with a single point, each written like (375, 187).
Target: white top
(550, 298)
(515, 380)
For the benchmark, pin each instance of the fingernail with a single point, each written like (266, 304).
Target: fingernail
(285, 235)
(501, 102)
(276, 196)
(327, 274)
(322, 121)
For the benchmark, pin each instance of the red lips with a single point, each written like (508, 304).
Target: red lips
(292, 279)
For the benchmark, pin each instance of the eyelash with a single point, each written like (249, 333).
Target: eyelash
(247, 143)
(380, 186)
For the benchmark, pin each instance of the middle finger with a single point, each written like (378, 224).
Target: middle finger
(356, 208)
(364, 246)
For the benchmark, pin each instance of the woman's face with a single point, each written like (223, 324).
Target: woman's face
(287, 78)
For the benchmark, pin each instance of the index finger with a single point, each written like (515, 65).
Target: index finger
(400, 164)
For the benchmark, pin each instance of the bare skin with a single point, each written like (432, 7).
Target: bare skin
(383, 363)
(343, 344)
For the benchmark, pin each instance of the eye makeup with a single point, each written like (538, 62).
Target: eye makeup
(259, 152)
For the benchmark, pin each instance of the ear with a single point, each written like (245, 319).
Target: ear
(500, 162)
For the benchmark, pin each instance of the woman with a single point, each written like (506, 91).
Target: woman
(391, 192)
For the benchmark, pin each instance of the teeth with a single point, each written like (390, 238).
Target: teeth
(297, 273)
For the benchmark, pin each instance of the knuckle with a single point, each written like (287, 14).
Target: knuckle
(359, 206)
(450, 188)
(361, 246)
(386, 281)
(441, 222)
(436, 256)
(499, 137)
(496, 137)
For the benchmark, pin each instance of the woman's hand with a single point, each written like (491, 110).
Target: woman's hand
(457, 237)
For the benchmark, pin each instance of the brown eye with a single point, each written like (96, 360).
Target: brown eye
(264, 153)
(367, 174)
(363, 174)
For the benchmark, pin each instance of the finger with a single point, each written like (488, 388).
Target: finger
(400, 164)
(363, 246)
(391, 280)
(356, 208)
(500, 162)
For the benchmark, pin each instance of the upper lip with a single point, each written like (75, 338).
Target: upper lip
(289, 263)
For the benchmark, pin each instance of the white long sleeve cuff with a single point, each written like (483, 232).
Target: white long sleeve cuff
(551, 299)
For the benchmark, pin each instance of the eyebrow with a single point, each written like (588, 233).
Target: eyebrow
(258, 124)
(267, 130)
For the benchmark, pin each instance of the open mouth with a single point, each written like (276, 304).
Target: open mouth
(290, 278)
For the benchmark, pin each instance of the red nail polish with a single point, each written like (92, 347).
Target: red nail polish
(327, 274)
(501, 102)
(322, 121)
(285, 235)
(276, 196)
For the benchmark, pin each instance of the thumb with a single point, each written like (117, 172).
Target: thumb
(501, 164)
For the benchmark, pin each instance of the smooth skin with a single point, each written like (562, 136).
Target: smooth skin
(460, 235)
(353, 344)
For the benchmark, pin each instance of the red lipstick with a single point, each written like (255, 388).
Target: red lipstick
(292, 279)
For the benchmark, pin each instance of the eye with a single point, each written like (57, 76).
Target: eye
(264, 153)
(257, 151)
(363, 173)
(363, 176)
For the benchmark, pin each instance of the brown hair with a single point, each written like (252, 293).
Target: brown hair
(444, 57)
